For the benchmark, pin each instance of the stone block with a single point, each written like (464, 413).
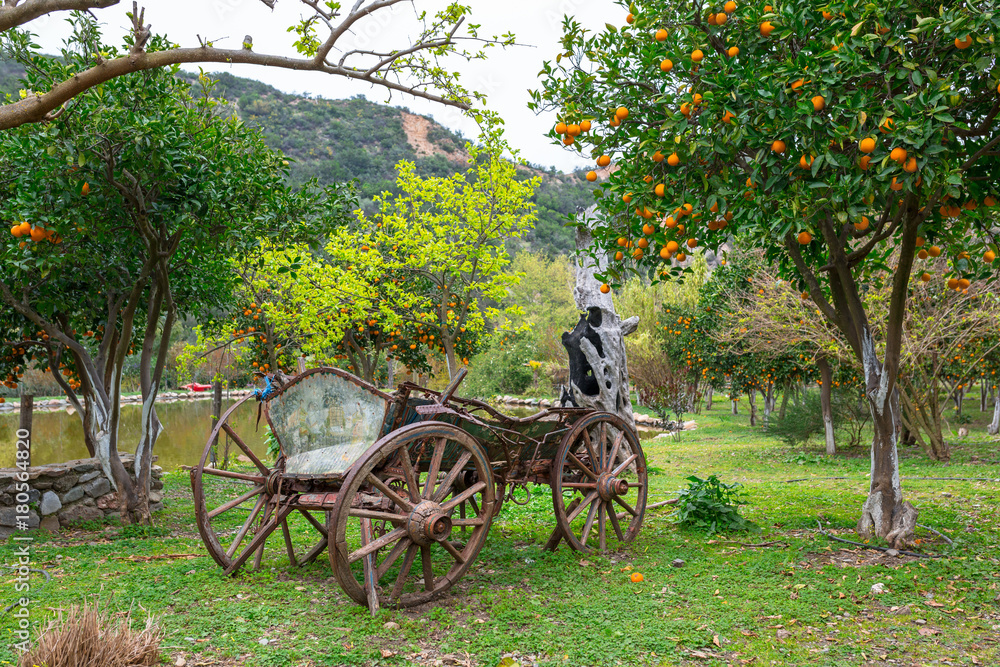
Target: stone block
(156, 484)
(50, 503)
(6, 500)
(65, 483)
(108, 501)
(49, 524)
(86, 477)
(79, 512)
(72, 495)
(85, 465)
(9, 517)
(43, 484)
(34, 495)
(155, 496)
(156, 507)
(97, 487)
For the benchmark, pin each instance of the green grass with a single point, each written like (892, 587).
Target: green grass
(567, 608)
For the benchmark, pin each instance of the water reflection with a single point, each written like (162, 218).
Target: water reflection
(58, 436)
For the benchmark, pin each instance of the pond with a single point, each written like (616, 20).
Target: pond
(58, 436)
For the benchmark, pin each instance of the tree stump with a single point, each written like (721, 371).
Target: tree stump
(598, 369)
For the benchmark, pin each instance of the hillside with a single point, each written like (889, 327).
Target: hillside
(337, 140)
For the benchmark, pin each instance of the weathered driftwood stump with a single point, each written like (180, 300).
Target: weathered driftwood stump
(598, 369)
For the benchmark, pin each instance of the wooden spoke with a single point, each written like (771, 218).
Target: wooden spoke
(614, 524)
(602, 528)
(464, 495)
(579, 464)
(315, 524)
(459, 556)
(435, 468)
(475, 506)
(614, 451)
(268, 508)
(375, 545)
(234, 502)
(625, 464)
(628, 508)
(580, 485)
(590, 448)
(257, 543)
(461, 514)
(246, 526)
(425, 559)
(288, 543)
(582, 506)
(412, 486)
(589, 523)
(316, 551)
(404, 571)
(602, 442)
(216, 472)
(393, 556)
(476, 521)
(376, 516)
(246, 450)
(389, 493)
(452, 475)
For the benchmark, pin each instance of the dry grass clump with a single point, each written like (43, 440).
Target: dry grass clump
(89, 636)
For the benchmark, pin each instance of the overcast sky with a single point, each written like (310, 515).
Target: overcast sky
(505, 76)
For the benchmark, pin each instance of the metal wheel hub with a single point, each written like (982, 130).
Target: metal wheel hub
(428, 523)
(273, 483)
(609, 486)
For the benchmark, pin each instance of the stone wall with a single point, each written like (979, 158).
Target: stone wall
(66, 493)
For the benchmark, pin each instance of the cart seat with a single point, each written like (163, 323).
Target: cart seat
(324, 420)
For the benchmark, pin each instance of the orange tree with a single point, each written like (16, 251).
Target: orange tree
(827, 133)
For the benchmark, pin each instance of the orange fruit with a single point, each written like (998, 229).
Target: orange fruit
(920, 241)
(621, 113)
(659, 190)
(922, 254)
(862, 224)
(604, 287)
(805, 238)
(630, 19)
(591, 176)
(766, 28)
(728, 117)
(622, 241)
(687, 208)
(805, 162)
(627, 197)
(896, 185)
(910, 166)
(964, 283)
(642, 243)
(585, 126)
(673, 160)
(568, 140)
(962, 45)
(37, 234)
(697, 55)
(619, 256)
(681, 257)
(16, 231)
(697, 98)
(672, 247)
(778, 146)
(720, 18)
(664, 253)
(573, 130)
(818, 103)
(636, 577)
(711, 19)
(925, 277)
(692, 243)
(827, 15)
(658, 156)
(604, 161)
(638, 253)
(866, 145)
(85, 190)
(733, 51)
(886, 125)
(863, 162)
(661, 35)
(934, 251)
(898, 154)
(667, 65)
(729, 7)
(670, 222)
(648, 229)
(989, 256)
(560, 128)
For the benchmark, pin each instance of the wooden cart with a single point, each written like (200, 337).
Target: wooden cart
(380, 481)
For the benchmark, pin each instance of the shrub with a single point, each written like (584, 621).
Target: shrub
(501, 368)
(800, 422)
(708, 504)
(89, 635)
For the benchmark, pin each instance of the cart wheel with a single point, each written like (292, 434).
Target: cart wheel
(599, 478)
(420, 519)
(238, 511)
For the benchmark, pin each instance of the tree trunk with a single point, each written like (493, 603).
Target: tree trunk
(708, 397)
(884, 513)
(449, 355)
(768, 402)
(752, 398)
(27, 407)
(784, 402)
(735, 408)
(598, 368)
(994, 427)
(390, 372)
(984, 404)
(826, 402)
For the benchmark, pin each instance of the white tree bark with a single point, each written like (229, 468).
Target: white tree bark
(596, 346)
(994, 427)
